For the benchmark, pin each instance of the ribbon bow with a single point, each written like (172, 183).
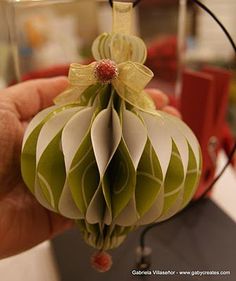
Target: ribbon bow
(129, 83)
(126, 53)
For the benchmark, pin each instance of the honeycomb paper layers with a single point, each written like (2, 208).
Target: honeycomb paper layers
(107, 167)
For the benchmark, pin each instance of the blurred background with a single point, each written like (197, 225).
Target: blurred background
(190, 56)
(42, 37)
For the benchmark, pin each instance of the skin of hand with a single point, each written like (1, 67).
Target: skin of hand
(24, 223)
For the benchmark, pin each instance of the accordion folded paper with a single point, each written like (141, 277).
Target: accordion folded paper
(103, 155)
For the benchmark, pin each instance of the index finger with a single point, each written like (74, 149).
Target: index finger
(32, 96)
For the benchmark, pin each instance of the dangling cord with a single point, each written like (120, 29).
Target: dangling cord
(205, 8)
(231, 155)
(134, 3)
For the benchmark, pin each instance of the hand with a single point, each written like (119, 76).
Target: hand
(161, 101)
(24, 223)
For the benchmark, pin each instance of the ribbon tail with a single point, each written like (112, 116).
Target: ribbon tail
(129, 85)
(139, 100)
(70, 95)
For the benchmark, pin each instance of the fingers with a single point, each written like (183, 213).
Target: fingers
(32, 96)
(59, 224)
(172, 110)
(161, 101)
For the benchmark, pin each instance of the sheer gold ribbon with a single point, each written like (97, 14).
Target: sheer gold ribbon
(129, 84)
(127, 51)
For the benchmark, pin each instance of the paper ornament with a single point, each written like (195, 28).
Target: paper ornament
(102, 155)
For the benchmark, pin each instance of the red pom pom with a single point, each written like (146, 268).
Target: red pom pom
(105, 70)
(101, 261)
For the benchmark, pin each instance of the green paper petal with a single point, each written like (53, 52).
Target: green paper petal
(149, 180)
(192, 178)
(28, 155)
(175, 173)
(83, 177)
(49, 157)
(51, 172)
(119, 179)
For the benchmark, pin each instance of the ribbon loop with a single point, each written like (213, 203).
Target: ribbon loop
(122, 17)
(82, 75)
(130, 84)
(80, 78)
(135, 76)
(119, 48)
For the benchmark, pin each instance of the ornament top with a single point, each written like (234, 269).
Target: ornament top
(125, 71)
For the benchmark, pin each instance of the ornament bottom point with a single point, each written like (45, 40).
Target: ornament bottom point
(101, 261)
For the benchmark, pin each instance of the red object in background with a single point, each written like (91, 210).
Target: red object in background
(197, 108)
(57, 70)
(221, 90)
(47, 73)
(203, 106)
(162, 58)
(228, 142)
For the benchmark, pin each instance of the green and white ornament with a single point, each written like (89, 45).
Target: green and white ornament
(103, 155)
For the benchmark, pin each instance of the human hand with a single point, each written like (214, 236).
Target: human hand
(24, 223)
(161, 101)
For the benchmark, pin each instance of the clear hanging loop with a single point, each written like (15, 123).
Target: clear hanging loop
(134, 3)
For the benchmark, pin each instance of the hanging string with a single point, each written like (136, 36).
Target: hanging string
(205, 8)
(231, 154)
(134, 3)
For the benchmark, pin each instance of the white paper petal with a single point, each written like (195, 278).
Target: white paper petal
(179, 140)
(36, 121)
(51, 129)
(67, 206)
(155, 211)
(135, 135)
(95, 211)
(160, 138)
(73, 134)
(192, 140)
(106, 135)
(129, 215)
(40, 196)
(108, 217)
(175, 207)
